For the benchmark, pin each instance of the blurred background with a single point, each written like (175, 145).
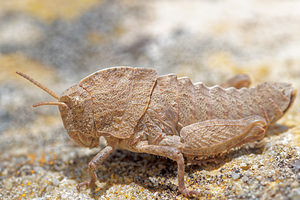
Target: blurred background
(59, 42)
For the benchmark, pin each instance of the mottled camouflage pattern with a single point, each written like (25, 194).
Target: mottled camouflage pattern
(123, 101)
(168, 116)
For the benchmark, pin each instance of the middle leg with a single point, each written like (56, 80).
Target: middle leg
(173, 154)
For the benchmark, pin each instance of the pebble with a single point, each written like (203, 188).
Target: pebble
(245, 179)
(235, 176)
(8, 184)
(244, 166)
(295, 165)
(294, 194)
(153, 181)
(55, 182)
(4, 172)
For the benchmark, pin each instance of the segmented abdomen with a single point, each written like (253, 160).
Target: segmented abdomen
(177, 102)
(198, 102)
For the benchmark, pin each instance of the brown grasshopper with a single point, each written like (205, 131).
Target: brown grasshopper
(136, 110)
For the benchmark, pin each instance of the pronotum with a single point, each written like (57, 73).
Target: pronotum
(137, 110)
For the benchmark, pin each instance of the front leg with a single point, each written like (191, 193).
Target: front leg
(173, 154)
(93, 164)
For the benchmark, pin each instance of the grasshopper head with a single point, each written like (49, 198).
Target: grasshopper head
(75, 106)
(78, 117)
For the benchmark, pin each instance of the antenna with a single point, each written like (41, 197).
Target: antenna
(50, 103)
(39, 85)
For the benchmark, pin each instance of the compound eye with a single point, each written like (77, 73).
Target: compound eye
(66, 100)
(76, 101)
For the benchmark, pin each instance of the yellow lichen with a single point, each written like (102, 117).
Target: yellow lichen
(222, 60)
(10, 63)
(221, 27)
(296, 136)
(31, 158)
(97, 190)
(49, 120)
(49, 10)
(225, 62)
(42, 159)
(95, 38)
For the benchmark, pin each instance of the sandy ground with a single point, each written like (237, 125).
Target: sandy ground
(60, 42)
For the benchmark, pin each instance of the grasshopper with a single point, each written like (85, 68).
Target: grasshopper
(137, 110)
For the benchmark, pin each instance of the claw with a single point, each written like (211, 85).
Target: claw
(191, 193)
(88, 184)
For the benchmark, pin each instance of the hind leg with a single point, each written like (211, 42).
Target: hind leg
(238, 81)
(215, 137)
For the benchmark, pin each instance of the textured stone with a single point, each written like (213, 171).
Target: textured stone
(206, 40)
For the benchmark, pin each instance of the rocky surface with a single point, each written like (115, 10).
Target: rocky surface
(58, 43)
